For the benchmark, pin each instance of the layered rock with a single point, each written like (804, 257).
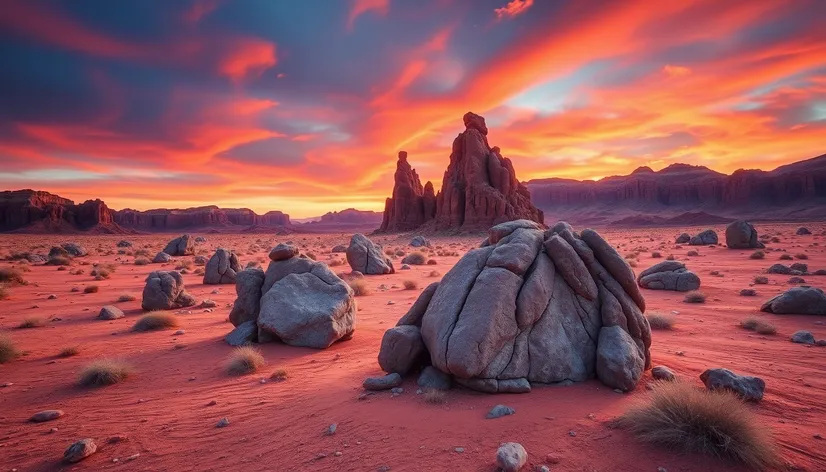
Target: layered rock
(165, 291)
(411, 204)
(742, 235)
(669, 275)
(222, 268)
(367, 257)
(529, 306)
(183, 245)
(163, 219)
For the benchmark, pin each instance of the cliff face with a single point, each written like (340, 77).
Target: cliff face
(411, 204)
(350, 216)
(794, 191)
(208, 216)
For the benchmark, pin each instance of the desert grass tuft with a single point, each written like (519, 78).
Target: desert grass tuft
(801, 256)
(716, 423)
(759, 326)
(8, 350)
(69, 351)
(692, 253)
(31, 322)
(91, 289)
(786, 257)
(244, 360)
(761, 280)
(279, 375)
(155, 320)
(360, 287)
(656, 255)
(4, 292)
(141, 261)
(695, 297)
(410, 285)
(104, 372)
(757, 255)
(415, 258)
(12, 276)
(435, 397)
(127, 298)
(661, 320)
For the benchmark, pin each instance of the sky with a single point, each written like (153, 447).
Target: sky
(302, 105)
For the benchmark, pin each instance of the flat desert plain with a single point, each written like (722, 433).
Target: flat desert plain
(163, 416)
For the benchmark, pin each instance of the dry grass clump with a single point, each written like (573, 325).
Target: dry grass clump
(758, 255)
(59, 261)
(716, 423)
(127, 298)
(415, 258)
(786, 257)
(656, 254)
(185, 264)
(435, 397)
(632, 262)
(141, 261)
(12, 276)
(104, 372)
(434, 273)
(692, 253)
(244, 360)
(154, 321)
(661, 320)
(31, 322)
(801, 256)
(670, 257)
(761, 280)
(758, 325)
(410, 285)
(8, 350)
(695, 296)
(4, 292)
(91, 289)
(69, 351)
(360, 287)
(279, 375)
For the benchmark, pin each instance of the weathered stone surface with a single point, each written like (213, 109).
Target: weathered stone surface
(433, 378)
(662, 372)
(110, 312)
(499, 411)
(683, 238)
(669, 275)
(800, 267)
(80, 450)
(802, 231)
(161, 258)
(244, 333)
(746, 387)
(165, 291)
(797, 301)
(385, 382)
(74, 249)
(401, 350)
(535, 306)
(704, 238)
(742, 235)
(411, 204)
(367, 257)
(339, 248)
(803, 337)
(248, 284)
(183, 245)
(779, 269)
(46, 415)
(511, 457)
(283, 252)
(420, 241)
(222, 268)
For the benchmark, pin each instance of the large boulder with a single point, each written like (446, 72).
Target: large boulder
(704, 238)
(222, 268)
(797, 301)
(367, 257)
(401, 350)
(683, 238)
(183, 245)
(74, 249)
(669, 275)
(742, 235)
(161, 258)
(248, 284)
(165, 291)
(532, 306)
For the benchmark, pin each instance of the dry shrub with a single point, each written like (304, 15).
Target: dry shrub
(244, 360)
(758, 325)
(4, 292)
(8, 350)
(59, 261)
(141, 261)
(761, 280)
(360, 287)
(786, 257)
(12, 276)
(801, 256)
(104, 372)
(410, 285)
(126, 298)
(91, 289)
(656, 255)
(695, 297)
(435, 397)
(69, 351)
(186, 264)
(154, 321)
(279, 375)
(31, 322)
(415, 258)
(716, 423)
(692, 253)
(757, 255)
(142, 252)
(434, 273)
(661, 320)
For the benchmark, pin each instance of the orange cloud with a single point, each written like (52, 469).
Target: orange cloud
(249, 57)
(675, 71)
(513, 8)
(361, 7)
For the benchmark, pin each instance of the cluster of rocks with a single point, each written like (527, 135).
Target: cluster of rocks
(164, 290)
(669, 275)
(222, 268)
(367, 257)
(529, 306)
(298, 301)
(742, 235)
(703, 238)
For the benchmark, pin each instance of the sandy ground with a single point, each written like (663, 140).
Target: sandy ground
(163, 408)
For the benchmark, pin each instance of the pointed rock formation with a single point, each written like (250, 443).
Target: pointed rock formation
(406, 210)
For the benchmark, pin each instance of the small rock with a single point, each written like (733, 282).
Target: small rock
(337, 453)
(53, 430)
(46, 415)
(459, 450)
(748, 388)
(118, 438)
(572, 433)
(433, 378)
(382, 383)
(110, 312)
(511, 457)
(80, 450)
(223, 423)
(331, 430)
(212, 403)
(179, 332)
(52, 297)
(803, 337)
(397, 391)
(499, 411)
(662, 372)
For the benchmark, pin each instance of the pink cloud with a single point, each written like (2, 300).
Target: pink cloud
(513, 8)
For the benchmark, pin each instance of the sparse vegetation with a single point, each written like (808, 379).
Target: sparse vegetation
(786, 257)
(661, 320)
(692, 253)
(69, 351)
(104, 372)
(244, 360)
(670, 257)
(656, 255)
(415, 258)
(184, 265)
(31, 322)
(91, 289)
(59, 261)
(410, 285)
(4, 292)
(757, 255)
(758, 325)
(8, 350)
(761, 280)
(154, 321)
(716, 423)
(126, 298)
(435, 397)
(360, 287)
(434, 273)
(695, 296)
(141, 261)
(801, 256)
(12, 276)
(279, 375)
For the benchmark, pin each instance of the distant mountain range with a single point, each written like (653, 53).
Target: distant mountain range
(683, 194)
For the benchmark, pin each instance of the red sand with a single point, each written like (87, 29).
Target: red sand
(162, 409)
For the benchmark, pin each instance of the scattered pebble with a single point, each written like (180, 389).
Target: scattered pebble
(331, 430)
(499, 411)
(80, 450)
(46, 415)
(223, 423)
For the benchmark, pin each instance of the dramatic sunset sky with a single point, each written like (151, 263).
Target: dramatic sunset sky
(302, 105)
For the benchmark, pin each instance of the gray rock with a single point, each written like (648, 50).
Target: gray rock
(803, 337)
(200, 239)
(797, 300)
(339, 248)
(244, 333)
(704, 238)
(367, 257)
(183, 245)
(419, 241)
(746, 387)
(110, 312)
(500, 231)
(499, 411)
(74, 249)
(669, 275)
(802, 231)
(124, 243)
(165, 291)
(405, 267)
(402, 349)
(416, 312)
(385, 382)
(222, 423)
(800, 267)
(222, 268)
(779, 269)
(161, 258)
(248, 284)
(433, 378)
(511, 457)
(80, 450)
(283, 252)
(742, 235)
(662, 372)
(683, 238)
(620, 363)
(797, 280)
(46, 415)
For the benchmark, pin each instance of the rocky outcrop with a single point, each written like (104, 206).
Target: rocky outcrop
(163, 219)
(183, 245)
(298, 301)
(479, 189)
(704, 238)
(165, 291)
(669, 275)
(222, 268)
(793, 191)
(529, 306)
(742, 235)
(797, 301)
(367, 257)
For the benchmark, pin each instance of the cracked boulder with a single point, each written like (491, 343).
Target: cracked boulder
(222, 268)
(742, 235)
(165, 291)
(669, 275)
(247, 303)
(183, 245)
(534, 307)
(797, 301)
(367, 257)
(704, 238)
